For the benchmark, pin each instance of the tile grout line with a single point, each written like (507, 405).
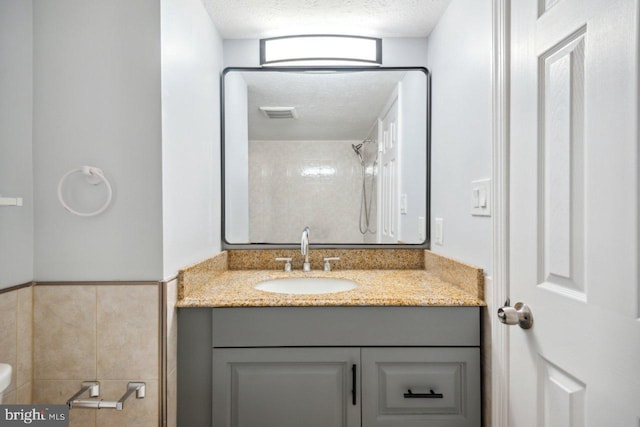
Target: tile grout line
(33, 340)
(95, 415)
(33, 330)
(30, 320)
(162, 361)
(16, 342)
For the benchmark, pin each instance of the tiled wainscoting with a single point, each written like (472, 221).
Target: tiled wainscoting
(57, 335)
(16, 342)
(170, 361)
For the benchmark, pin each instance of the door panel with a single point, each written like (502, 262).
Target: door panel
(285, 387)
(561, 72)
(389, 166)
(563, 398)
(574, 213)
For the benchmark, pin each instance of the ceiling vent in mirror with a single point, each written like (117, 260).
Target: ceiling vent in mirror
(321, 50)
(279, 112)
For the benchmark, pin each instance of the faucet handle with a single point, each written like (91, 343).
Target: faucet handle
(327, 264)
(287, 266)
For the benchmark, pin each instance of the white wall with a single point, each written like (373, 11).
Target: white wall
(97, 102)
(459, 57)
(237, 158)
(404, 52)
(16, 169)
(241, 53)
(191, 65)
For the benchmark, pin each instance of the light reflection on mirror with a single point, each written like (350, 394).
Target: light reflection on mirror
(317, 171)
(350, 162)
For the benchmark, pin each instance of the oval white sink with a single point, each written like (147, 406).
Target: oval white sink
(5, 378)
(306, 285)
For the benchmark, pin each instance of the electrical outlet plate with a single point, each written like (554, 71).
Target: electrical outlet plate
(438, 239)
(481, 197)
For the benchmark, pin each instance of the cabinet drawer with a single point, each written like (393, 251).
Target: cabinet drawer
(345, 326)
(409, 386)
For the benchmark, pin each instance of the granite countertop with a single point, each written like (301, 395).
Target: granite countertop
(211, 284)
(375, 288)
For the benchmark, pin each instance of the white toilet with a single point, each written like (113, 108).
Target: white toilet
(5, 378)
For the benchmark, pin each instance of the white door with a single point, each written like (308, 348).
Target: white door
(574, 213)
(388, 214)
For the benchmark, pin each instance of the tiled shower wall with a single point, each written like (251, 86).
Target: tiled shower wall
(58, 335)
(293, 184)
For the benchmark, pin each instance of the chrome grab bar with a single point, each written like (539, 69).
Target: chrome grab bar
(92, 386)
(94, 391)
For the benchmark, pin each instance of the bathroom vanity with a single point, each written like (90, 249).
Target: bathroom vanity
(403, 349)
(329, 366)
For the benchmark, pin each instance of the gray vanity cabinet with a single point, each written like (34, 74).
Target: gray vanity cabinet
(286, 387)
(346, 387)
(297, 366)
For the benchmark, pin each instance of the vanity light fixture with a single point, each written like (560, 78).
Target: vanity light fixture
(320, 50)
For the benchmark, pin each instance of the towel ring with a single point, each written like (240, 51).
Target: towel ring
(94, 176)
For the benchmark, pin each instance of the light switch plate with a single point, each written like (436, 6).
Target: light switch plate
(403, 204)
(481, 197)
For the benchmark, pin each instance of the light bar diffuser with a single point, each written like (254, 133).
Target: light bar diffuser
(321, 50)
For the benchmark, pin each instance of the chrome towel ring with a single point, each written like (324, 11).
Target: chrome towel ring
(93, 176)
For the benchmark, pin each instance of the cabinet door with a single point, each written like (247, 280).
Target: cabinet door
(410, 387)
(286, 387)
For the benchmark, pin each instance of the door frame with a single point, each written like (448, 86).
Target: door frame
(498, 291)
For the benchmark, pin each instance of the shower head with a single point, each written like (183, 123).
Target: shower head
(357, 148)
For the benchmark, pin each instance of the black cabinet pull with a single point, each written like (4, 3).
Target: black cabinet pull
(432, 395)
(353, 384)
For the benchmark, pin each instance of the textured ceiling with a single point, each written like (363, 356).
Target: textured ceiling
(338, 106)
(245, 19)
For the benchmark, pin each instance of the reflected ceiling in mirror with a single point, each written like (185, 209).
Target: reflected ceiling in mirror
(343, 151)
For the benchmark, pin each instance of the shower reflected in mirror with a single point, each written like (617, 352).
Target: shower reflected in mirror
(369, 173)
(344, 151)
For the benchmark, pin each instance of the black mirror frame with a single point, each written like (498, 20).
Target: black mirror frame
(228, 245)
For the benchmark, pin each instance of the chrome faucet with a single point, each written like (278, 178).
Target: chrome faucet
(304, 249)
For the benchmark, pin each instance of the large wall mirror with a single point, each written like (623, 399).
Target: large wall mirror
(344, 151)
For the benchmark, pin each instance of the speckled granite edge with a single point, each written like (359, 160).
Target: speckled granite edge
(235, 288)
(466, 277)
(386, 277)
(350, 259)
(214, 265)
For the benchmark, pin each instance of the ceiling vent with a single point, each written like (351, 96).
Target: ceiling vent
(279, 112)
